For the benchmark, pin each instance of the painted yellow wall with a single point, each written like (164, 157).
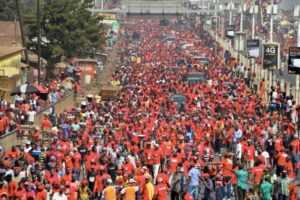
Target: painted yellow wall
(10, 66)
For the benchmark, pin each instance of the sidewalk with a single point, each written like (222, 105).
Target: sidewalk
(287, 86)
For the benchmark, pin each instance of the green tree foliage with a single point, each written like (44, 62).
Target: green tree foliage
(68, 29)
(7, 10)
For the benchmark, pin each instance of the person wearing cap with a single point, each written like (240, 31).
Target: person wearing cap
(129, 191)
(109, 192)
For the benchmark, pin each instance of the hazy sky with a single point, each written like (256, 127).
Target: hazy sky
(289, 4)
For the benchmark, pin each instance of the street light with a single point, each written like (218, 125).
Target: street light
(230, 7)
(297, 15)
(272, 10)
(253, 11)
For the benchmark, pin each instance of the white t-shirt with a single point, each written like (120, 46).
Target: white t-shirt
(266, 155)
(58, 196)
(31, 115)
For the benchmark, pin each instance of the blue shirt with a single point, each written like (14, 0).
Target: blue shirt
(194, 174)
(237, 135)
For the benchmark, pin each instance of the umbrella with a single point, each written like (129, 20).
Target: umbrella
(24, 89)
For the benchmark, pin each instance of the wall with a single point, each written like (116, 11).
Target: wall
(10, 66)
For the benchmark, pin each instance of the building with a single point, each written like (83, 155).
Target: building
(10, 33)
(11, 68)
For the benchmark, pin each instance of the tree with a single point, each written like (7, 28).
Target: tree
(7, 10)
(68, 29)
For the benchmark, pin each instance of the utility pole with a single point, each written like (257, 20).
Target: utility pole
(271, 21)
(38, 16)
(297, 14)
(102, 4)
(230, 12)
(21, 22)
(253, 19)
(242, 17)
(253, 11)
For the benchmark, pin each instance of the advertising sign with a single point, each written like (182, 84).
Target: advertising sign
(230, 31)
(294, 60)
(253, 48)
(271, 56)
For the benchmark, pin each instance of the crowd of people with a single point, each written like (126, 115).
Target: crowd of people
(24, 106)
(220, 143)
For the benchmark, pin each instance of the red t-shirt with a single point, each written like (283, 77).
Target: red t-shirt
(161, 191)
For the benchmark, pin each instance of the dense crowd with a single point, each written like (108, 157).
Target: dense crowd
(24, 106)
(222, 142)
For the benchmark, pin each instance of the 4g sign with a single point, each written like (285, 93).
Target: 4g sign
(271, 56)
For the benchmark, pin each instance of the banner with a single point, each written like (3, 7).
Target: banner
(294, 60)
(253, 48)
(230, 31)
(271, 56)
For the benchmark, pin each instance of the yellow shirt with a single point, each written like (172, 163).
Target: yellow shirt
(110, 193)
(149, 190)
(129, 192)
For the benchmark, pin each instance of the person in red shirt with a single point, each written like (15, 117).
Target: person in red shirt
(161, 190)
(257, 173)
(41, 194)
(173, 162)
(46, 123)
(156, 156)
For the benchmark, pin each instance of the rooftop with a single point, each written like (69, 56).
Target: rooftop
(7, 51)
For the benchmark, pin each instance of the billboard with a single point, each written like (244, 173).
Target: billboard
(253, 48)
(294, 60)
(271, 56)
(230, 31)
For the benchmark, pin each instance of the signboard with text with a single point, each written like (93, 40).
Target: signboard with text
(230, 31)
(253, 48)
(294, 60)
(271, 56)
